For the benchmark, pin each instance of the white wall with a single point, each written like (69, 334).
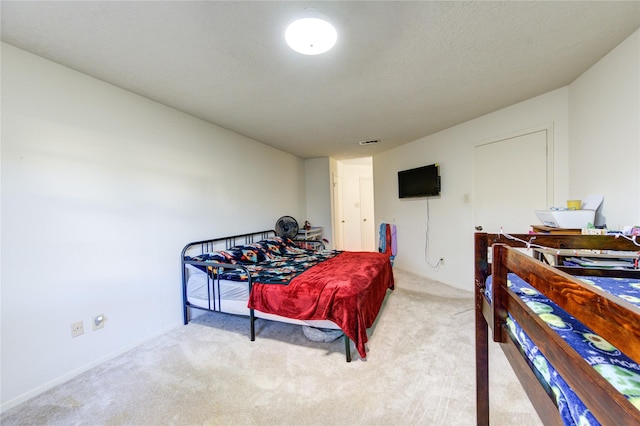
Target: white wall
(451, 223)
(604, 118)
(100, 191)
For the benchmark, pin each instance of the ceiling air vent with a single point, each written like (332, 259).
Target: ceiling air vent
(369, 142)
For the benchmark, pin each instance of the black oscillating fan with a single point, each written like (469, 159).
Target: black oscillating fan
(287, 227)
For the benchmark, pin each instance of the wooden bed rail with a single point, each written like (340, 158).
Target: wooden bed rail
(614, 319)
(559, 241)
(606, 315)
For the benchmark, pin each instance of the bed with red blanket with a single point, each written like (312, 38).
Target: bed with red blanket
(264, 276)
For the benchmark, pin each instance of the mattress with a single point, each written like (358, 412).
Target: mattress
(233, 298)
(622, 372)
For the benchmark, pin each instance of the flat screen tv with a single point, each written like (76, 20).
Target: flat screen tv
(419, 182)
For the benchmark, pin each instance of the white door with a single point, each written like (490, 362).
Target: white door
(512, 179)
(352, 230)
(368, 232)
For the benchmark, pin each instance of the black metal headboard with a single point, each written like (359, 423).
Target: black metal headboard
(207, 246)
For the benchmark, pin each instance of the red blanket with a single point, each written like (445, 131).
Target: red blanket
(347, 289)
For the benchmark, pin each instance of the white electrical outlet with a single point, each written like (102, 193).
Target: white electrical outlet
(77, 329)
(98, 322)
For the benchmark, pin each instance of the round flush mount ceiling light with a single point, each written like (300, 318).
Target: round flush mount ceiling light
(311, 34)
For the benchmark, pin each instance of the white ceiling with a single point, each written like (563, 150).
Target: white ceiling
(400, 70)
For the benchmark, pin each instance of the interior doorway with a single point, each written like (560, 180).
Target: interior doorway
(354, 205)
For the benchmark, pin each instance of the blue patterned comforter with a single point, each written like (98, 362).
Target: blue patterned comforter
(274, 260)
(617, 368)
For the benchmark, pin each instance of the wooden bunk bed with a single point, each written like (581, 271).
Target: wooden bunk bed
(614, 319)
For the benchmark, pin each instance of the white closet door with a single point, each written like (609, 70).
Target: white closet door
(511, 181)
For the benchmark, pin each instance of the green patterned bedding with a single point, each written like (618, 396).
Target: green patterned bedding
(616, 367)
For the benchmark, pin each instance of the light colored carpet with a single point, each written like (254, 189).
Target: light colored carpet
(419, 371)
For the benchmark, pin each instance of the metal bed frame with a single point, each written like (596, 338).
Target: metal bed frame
(207, 246)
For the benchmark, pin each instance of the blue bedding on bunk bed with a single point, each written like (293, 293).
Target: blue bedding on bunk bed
(617, 368)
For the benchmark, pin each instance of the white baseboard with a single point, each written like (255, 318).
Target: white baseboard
(72, 374)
